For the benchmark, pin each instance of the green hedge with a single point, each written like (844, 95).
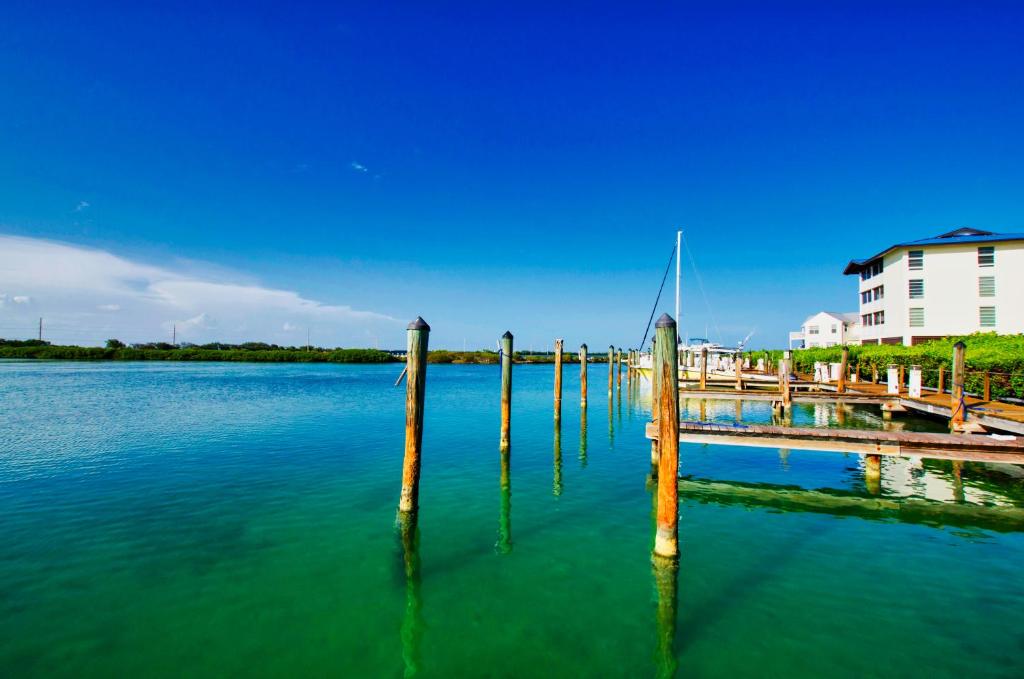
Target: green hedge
(196, 354)
(1001, 355)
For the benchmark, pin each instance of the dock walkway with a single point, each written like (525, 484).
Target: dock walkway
(963, 447)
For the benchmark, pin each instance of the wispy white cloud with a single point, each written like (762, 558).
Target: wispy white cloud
(75, 289)
(82, 204)
(358, 167)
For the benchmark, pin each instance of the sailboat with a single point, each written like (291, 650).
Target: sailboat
(720, 358)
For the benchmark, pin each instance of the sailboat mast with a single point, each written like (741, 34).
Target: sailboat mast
(679, 236)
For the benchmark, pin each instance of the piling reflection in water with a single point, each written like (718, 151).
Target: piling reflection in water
(873, 474)
(557, 487)
(958, 481)
(412, 622)
(504, 545)
(583, 437)
(611, 425)
(666, 584)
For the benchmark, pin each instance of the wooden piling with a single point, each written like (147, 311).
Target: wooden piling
(956, 401)
(738, 367)
(843, 366)
(874, 373)
(902, 380)
(666, 364)
(583, 375)
(704, 368)
(618, 369)
(558, 380)
(942, 380)
(987, 392)
(415, 391)
(506, 391)
(611, 371)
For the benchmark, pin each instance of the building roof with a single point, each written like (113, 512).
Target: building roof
(955, 237)
(846, 316)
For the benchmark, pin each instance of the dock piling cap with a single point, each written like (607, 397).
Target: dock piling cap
(665, 322)
(507, 335)
(418, 324)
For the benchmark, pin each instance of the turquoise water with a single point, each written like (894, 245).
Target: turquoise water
(211, 520)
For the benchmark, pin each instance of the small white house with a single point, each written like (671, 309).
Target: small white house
(827, 329)
(956, 283)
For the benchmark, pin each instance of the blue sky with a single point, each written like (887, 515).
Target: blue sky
(489, 168)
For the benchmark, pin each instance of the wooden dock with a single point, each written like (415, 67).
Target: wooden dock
(996, 415)
(989, 414)
(962, 447)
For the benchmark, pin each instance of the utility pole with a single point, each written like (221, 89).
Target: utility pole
(40, 328)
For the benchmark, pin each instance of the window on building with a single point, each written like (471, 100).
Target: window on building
(865, 320)
(835, 328)
(986, 286)
(865, 297)
(879, 318)
(879, 292)
(987, 256)
(915, 260)
(916, 288)
(916, 317)
(870, 270)
(987, 316)
(812, 329)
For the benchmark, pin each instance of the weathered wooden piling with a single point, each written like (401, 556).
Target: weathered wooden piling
(506, 390)
(611, 371)
(618, 369)
(558, 381)
(987, 388)
(941, 387)
(704, 368)
(738, 367)
(902, 379)
(583, 375)
(843, 362)
(956, 401)
(415, 390)
(666, 364)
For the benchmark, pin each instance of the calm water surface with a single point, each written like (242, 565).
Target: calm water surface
(211, 520)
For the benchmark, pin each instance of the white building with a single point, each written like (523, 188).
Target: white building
(827, 329)
(957, 283)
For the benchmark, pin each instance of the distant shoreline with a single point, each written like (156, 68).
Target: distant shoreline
(42, 351)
